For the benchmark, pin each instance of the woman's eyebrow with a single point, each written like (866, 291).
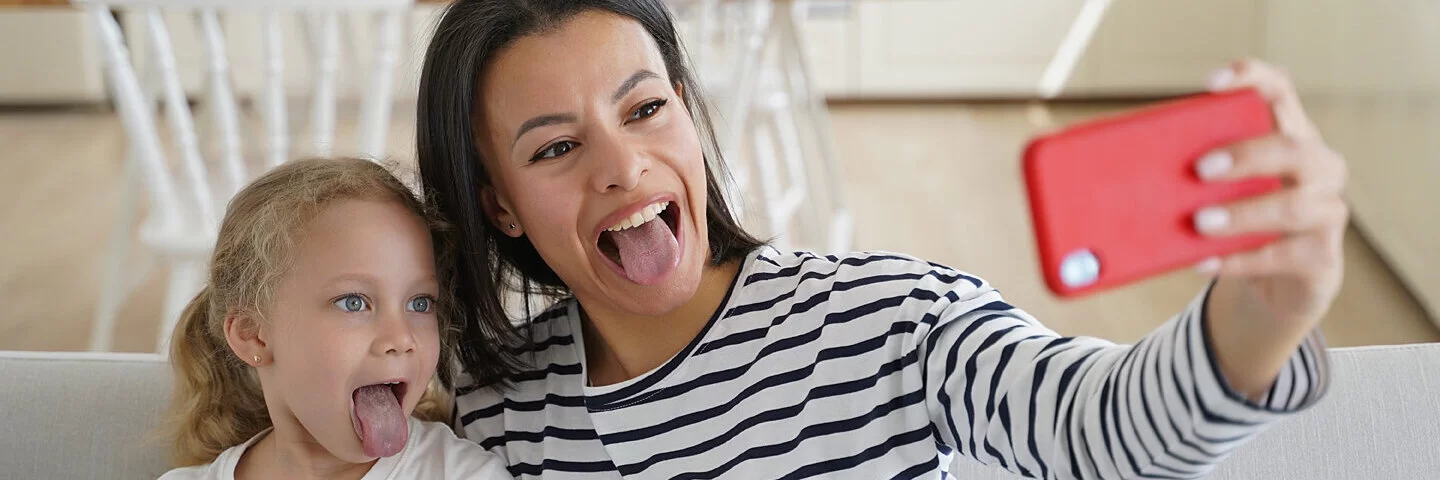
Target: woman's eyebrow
(542, 121)
(630, 83)
(558, 118)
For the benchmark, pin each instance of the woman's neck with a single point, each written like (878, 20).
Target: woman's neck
(619, 349)
(290, 452)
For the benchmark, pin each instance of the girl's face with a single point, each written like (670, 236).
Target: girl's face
(352, 332)
(595, 159)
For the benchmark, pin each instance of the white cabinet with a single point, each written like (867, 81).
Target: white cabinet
(49, 56)
(919, 49)
(1166, 46)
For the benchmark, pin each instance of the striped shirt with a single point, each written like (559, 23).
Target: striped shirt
(877, 365)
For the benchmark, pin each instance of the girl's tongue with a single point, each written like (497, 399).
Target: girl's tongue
(379, 421)
(647, 252)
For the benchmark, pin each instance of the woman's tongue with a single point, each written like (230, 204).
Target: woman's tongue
(380, 421)
(647, 252)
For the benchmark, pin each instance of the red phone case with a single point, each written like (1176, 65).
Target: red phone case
(1113, 200)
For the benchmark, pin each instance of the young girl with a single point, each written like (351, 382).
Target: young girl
(318, 336)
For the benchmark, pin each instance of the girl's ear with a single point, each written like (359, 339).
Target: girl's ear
(243, 333)
(497, 210)
(680, 89)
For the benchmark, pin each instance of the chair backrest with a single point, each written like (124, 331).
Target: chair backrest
(184, 199)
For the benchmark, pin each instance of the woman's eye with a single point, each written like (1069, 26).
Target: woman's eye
(352, 303)
(647, 110)
(555, 150)
(421, 304)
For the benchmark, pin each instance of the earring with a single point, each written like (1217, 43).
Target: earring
(512, 226)
(257, 360)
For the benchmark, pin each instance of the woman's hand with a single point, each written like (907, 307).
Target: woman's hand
(1267, 300)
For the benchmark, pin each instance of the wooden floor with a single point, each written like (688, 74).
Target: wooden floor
(938, 181)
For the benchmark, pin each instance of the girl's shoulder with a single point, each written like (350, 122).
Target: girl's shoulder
(434, 451)
(223, 467)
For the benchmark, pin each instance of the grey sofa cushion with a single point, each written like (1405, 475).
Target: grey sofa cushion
(82, 416)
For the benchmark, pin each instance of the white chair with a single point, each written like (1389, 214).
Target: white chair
(185, 207)
(777, 130)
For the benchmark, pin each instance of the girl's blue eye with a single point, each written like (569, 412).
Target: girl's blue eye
(647, 110)
(555, 150)
(352, 303)
(421, 304)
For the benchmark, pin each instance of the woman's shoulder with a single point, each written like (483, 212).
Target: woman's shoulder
(771, 266)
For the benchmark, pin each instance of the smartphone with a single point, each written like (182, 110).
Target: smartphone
(1113, 199)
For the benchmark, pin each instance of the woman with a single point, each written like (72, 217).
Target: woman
(569, 144)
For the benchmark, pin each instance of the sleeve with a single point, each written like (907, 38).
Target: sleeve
(1003, 389)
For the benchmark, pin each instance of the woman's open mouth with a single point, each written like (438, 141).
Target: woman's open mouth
(645, 246)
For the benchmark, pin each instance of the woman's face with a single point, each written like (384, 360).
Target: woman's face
(596, 160)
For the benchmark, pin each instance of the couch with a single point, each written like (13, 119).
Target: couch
(94, 416)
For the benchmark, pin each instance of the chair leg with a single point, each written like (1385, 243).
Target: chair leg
(186, 279)
(114, 284)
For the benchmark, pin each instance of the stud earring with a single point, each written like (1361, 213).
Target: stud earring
(512, 226)
(257, 360)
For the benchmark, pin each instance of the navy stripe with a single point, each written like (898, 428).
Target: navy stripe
(552, 369)
(542, 345)
(922, 470)
(733, 339)
(536, 437)
(1294, 385)
(824, 391)
(971, 370)
(793, 270)
(839, 464)
(1041, 366)
(817, 299)
(529, 375)
(549, 465)
(560, 309)
(811, 431)
(523, 406)
(951, 360)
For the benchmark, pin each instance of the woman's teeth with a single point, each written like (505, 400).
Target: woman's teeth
(641, 217)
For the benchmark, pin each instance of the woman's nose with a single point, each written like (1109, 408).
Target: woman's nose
(617, 166)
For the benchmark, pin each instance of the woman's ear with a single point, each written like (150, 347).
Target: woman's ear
(497, 210)
(243, 333)
(679, 89)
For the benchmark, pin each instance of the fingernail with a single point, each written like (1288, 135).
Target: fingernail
(1220, 79)
(1210, 219)
(1214, 165)
(1209, 266)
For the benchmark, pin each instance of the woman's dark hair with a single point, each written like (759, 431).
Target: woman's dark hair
(466, 40)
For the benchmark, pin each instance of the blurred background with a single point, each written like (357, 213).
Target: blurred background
(877, 125)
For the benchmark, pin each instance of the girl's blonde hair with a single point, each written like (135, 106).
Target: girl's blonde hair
(217, 401)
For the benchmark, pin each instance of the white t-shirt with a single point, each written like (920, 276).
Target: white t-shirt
(433, 451)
